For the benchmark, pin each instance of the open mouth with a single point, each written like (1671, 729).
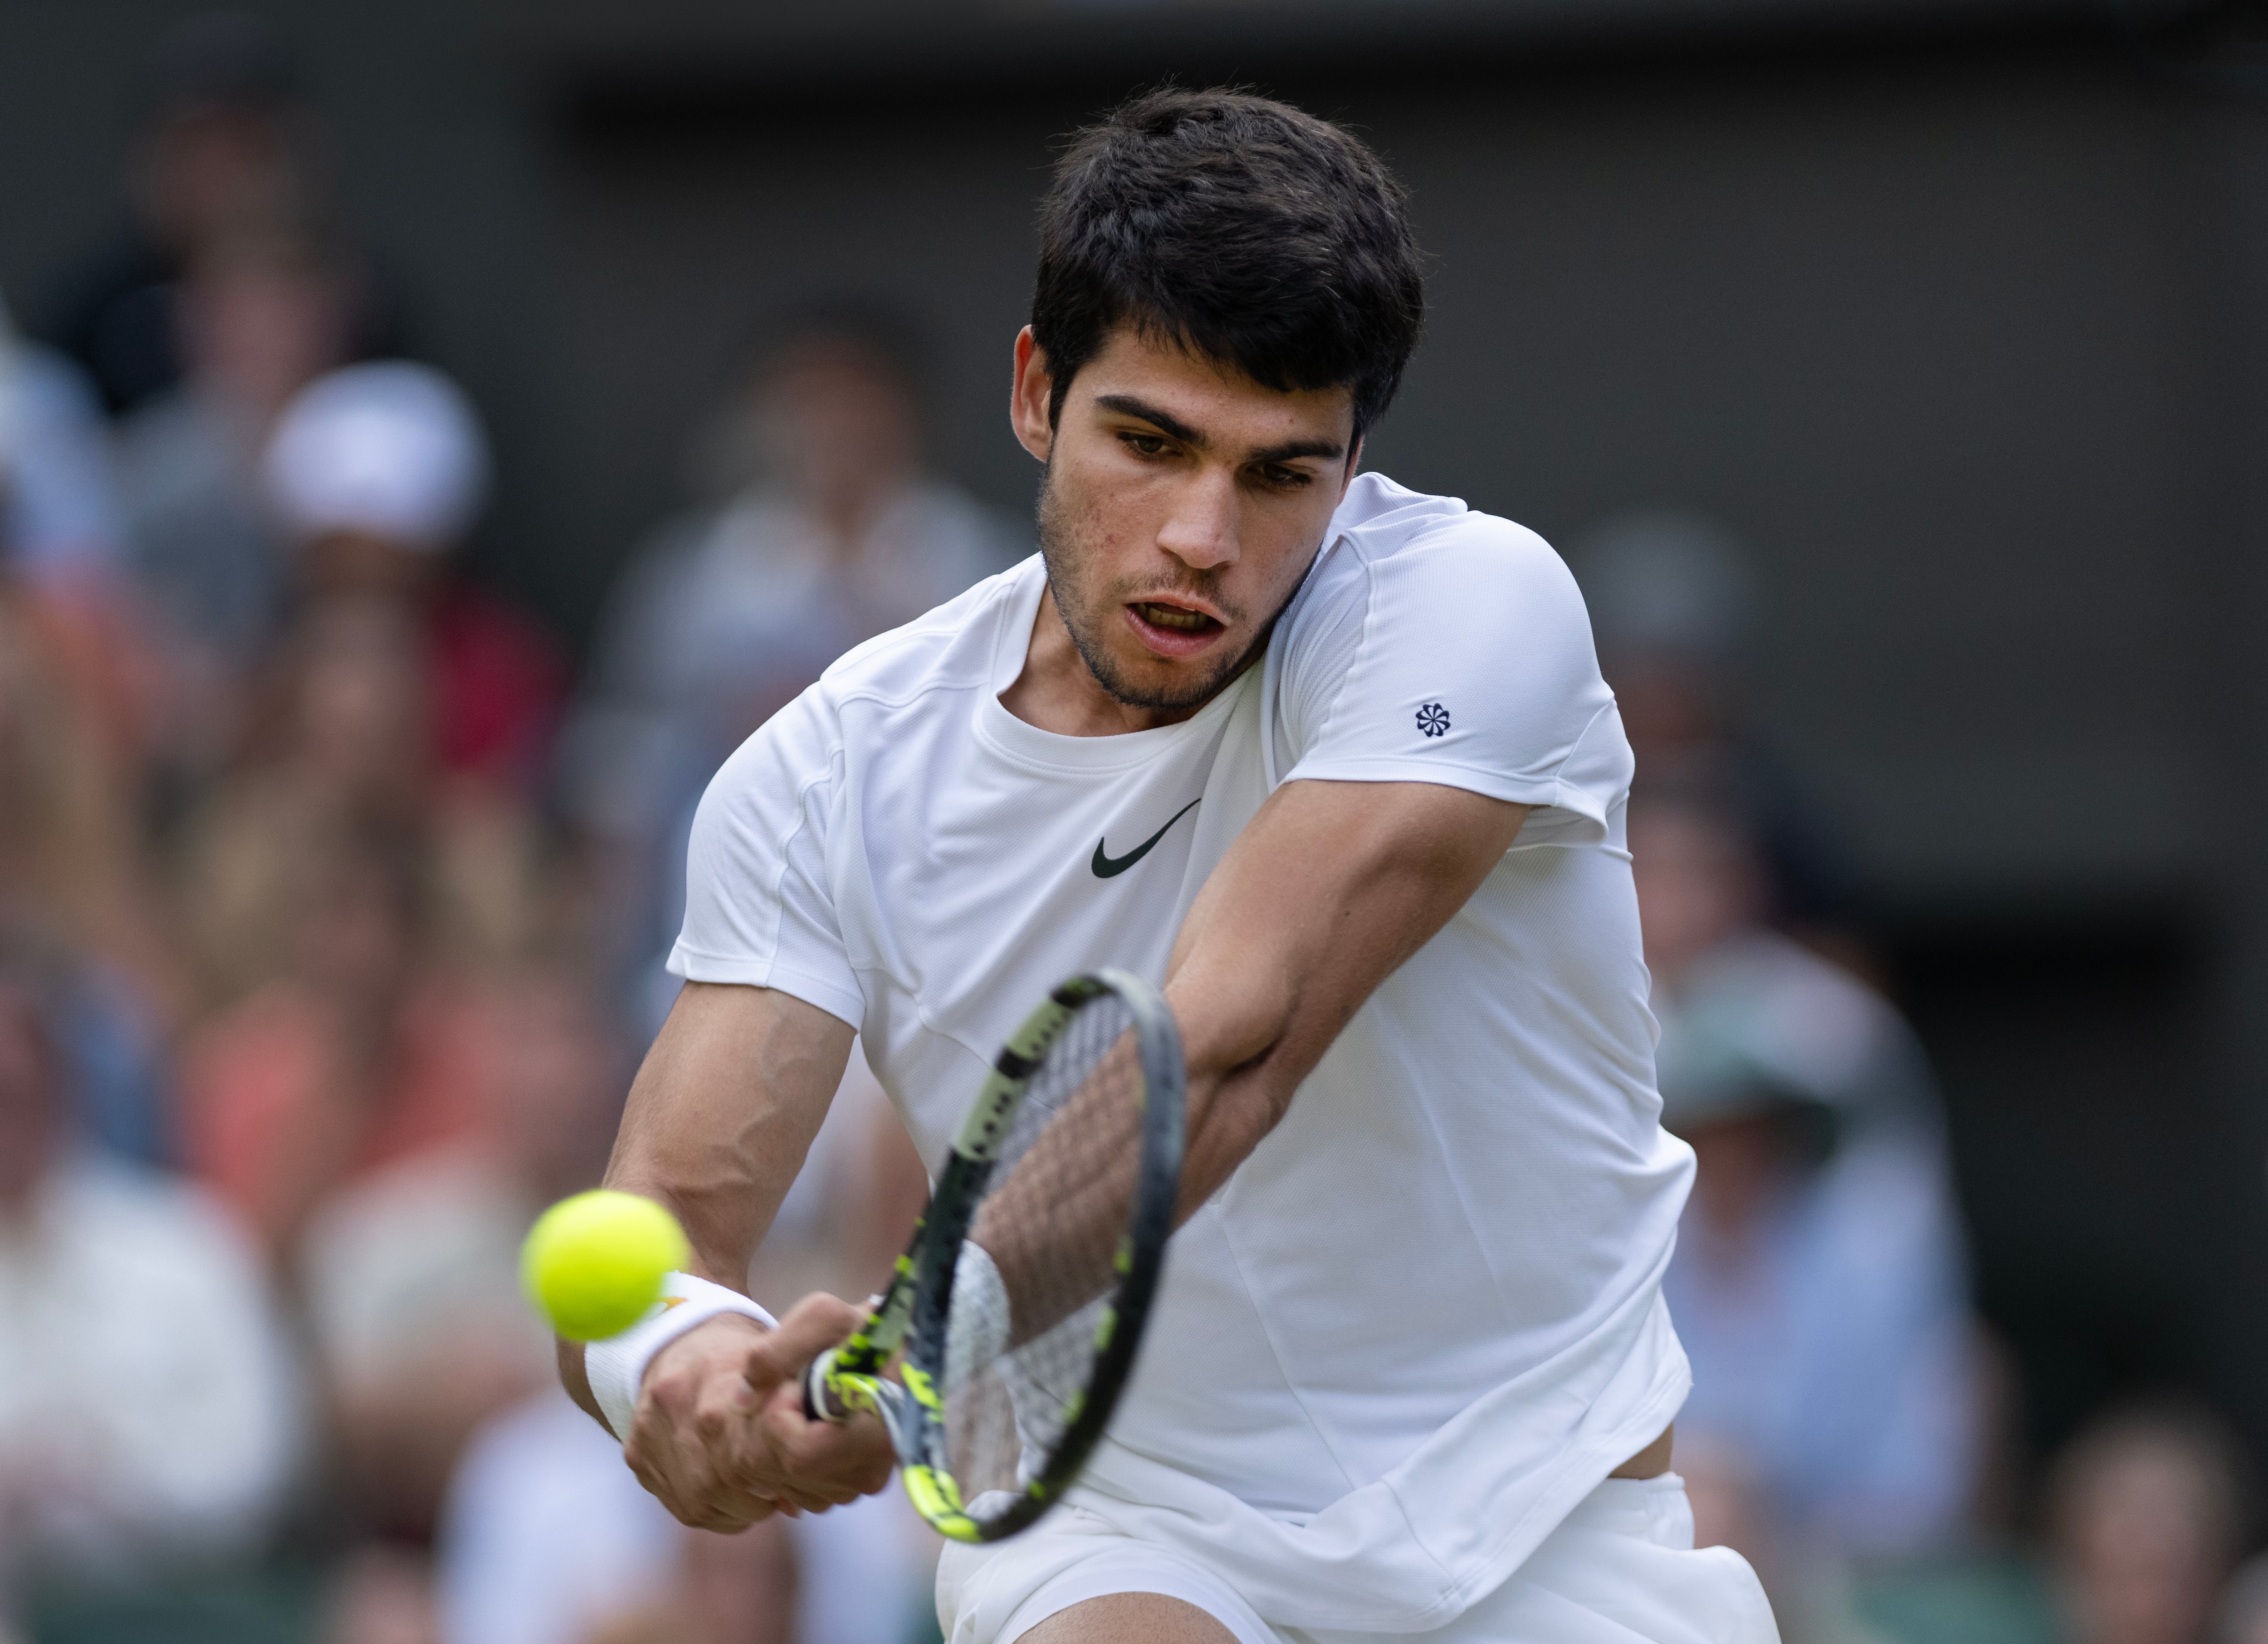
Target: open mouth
(1177, 618)
(1173, 631)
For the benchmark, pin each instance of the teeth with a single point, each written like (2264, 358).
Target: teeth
(1174, 617)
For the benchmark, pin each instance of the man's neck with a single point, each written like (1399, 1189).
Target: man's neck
(1057, 692)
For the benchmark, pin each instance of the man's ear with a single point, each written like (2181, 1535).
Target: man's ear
(1028, 397)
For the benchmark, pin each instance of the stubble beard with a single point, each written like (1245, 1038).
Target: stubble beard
(1086, 615)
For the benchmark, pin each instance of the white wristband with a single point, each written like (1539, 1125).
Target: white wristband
(615, 1366)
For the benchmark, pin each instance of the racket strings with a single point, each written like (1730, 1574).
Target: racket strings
(1053, 1223)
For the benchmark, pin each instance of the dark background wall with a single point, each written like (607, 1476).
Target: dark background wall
(1948, 311)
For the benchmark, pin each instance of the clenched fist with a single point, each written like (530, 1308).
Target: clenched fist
(720, 1435)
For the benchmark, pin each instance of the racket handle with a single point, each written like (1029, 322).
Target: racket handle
(818, 1401)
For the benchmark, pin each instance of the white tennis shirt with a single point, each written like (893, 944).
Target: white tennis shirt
(1424, 1318)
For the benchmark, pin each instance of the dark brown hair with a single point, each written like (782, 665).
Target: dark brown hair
(1241, 229)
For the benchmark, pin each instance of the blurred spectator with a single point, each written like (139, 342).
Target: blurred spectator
(59, 516)
(226, 145)
(382, 1595)
(1674, 607)
(148, 1412)
(2244, 1609)
(68, 846)
(342, 741)
(411, 1275)
(70, 694)
(377, 472)
(338, 897)
(1703, 892)
(69, 865)
(339, 744)
(63, 533)
(829, 530)
(2145, 1512)
(357, 1055)
(547, 1533)
(1818, 1282)
(727, 1589)
(260, 315)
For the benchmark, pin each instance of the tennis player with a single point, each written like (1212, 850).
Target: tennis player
(1331, 758)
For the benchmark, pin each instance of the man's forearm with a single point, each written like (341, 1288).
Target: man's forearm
(718, 1121)
(722, 1113)
(573, 1378)
(1329, 890)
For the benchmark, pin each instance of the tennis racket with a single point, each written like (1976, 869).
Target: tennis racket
(1016, 1314)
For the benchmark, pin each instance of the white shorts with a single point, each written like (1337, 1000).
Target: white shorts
(1622, 1568)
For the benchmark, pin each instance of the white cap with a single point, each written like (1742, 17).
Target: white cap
(390, 449)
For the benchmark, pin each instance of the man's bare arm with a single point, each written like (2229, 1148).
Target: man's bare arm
(719, 1120)
(723, 1110)
(1324, 894)
(1328, 889)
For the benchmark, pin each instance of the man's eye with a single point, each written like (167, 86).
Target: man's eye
(1277, 474)
(1147, 444)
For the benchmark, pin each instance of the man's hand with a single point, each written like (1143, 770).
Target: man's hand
(720, 1435)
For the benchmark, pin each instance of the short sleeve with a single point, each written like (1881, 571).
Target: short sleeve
(759, 909)
(1463, 657)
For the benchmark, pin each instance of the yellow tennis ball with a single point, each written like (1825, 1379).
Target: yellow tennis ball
(593, 1263)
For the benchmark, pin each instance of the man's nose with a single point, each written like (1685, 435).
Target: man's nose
(1201, 529)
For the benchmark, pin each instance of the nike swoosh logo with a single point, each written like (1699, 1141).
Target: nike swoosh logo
(1108, 867)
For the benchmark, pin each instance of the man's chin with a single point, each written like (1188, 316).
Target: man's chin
(1163, 687)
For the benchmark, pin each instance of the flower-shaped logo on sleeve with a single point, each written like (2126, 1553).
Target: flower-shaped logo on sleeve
(1434, 720)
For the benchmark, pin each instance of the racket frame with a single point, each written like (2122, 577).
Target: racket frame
(912, 1314)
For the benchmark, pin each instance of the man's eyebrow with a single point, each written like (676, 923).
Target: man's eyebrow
(1330, 450)
(1166, 422)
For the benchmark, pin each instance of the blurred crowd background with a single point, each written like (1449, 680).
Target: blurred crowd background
(430, 440)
